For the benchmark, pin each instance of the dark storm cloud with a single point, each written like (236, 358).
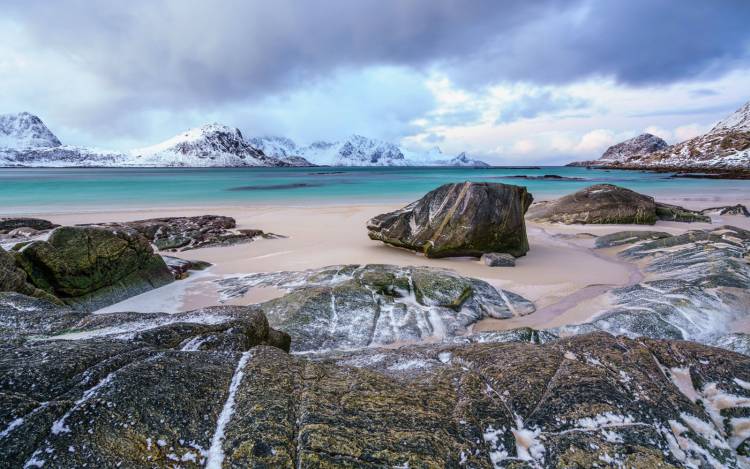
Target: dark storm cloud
(155, 62)
(180, 52)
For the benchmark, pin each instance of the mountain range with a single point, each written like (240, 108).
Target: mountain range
(25, 141)
(725, 146)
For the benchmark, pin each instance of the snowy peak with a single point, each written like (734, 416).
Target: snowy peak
(367, 151)
(201, 141)
(276, 146)
(209, 145)
(462, 159)
(738, 121)
(634, 147)
(358, 150)
(25, 130)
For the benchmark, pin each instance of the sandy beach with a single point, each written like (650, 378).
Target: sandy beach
(562, 274)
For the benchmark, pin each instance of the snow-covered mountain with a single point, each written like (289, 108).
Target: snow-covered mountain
(359, 151)
(26, 142)
(726, 145)
(24, 130)
(635, 147)
(209, 145)
(462, 159)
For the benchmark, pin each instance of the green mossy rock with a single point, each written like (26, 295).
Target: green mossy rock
(14, 279)
(91, 267)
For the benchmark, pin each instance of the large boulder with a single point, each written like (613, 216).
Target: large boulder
(91, 267)
(461, 219)
(609, 204)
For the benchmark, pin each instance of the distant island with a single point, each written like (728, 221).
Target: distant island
(725, 149)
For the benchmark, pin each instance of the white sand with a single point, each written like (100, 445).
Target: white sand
(562, 274)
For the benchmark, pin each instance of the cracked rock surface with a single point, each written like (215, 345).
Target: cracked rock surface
(185, 233)
(610, 204)
(92, 267)
(577, 402)
(353, 306)
(697, 285)
(461, 219)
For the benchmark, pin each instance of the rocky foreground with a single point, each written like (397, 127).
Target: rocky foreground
(384, 370)
(118, 391)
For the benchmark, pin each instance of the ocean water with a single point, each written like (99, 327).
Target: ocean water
(41, 190)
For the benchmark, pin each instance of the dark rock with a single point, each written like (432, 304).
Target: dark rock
(349, 306)
(462, 219)
(669, 212)
(546, 177)
(494, 259)
(181, 267)
(91, 267)
(697, 285)
(184, 233)
(574, 402)
(609, 204)
(22, 315)
(628, 237)
(738, 209)
(8, 224)
(14, 279)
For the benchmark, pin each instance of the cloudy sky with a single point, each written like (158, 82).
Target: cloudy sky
(509, 81)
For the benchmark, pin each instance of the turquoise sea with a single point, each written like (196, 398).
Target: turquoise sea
(78, 189)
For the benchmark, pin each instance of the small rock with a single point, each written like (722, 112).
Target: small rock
(497, 259)
(628, 237)
(181, 267)
(8, 224)
(738, 209)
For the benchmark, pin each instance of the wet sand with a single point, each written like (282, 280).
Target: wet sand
(562, 274)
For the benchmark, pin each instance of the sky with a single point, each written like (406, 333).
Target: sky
(508, 81)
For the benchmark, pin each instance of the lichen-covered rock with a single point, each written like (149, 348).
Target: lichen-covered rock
(462, 219)
(91, 267)
(495, 259)
(668, 212)
(184, 233)
(13, 279)
(697, 286)
(609, 204)
(351, 306)
(627, 237)
(8, 224)
(587, 401)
